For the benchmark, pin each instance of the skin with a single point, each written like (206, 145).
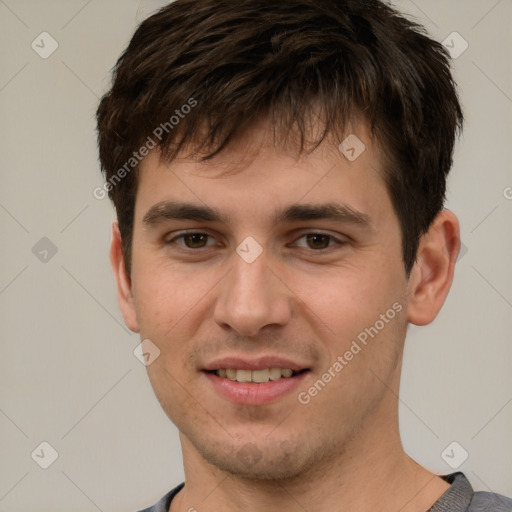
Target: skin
(303, 300)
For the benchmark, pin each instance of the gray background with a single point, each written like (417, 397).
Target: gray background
(69, 376)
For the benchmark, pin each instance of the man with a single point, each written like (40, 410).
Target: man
(278, 171)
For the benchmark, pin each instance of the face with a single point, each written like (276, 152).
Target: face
(259, 263)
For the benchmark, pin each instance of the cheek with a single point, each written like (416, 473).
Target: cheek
(359, 319)
(166, 299)
(347, 300)
(347, 320)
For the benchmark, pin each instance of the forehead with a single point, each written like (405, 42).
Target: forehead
(254, 175)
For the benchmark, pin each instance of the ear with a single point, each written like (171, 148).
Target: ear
(432, 274)
(124, 284)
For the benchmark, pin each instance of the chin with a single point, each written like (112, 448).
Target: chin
(265, 469)
(261, 460)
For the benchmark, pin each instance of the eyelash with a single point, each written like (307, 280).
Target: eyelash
(310, 233)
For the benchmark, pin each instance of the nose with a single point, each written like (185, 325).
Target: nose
(252, 297)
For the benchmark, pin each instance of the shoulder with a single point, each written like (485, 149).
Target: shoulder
(164, 503)
(490, 502)
(461, 497)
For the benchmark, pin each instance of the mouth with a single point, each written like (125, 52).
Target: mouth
(257, 382)
(256, 376)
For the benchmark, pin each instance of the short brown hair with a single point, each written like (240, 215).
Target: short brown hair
(236, 61)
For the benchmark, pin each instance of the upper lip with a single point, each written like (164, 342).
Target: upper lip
(254, 363)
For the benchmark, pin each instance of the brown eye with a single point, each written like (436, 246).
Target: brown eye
(318, 241)
(195, 240)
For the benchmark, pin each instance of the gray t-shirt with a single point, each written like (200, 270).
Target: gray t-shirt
(460, 497)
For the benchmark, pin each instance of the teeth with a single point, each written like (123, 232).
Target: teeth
(275, 373)
(243, 375)
(260, 375)
(257, 376)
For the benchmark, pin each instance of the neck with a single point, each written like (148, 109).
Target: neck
(372, 473)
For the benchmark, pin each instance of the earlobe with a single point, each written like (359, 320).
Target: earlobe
(124, 285)
(432, 274)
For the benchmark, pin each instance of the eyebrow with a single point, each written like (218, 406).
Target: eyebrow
(326, 211)
(173, 210)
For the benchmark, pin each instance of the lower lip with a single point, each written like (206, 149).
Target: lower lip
(245, 393)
